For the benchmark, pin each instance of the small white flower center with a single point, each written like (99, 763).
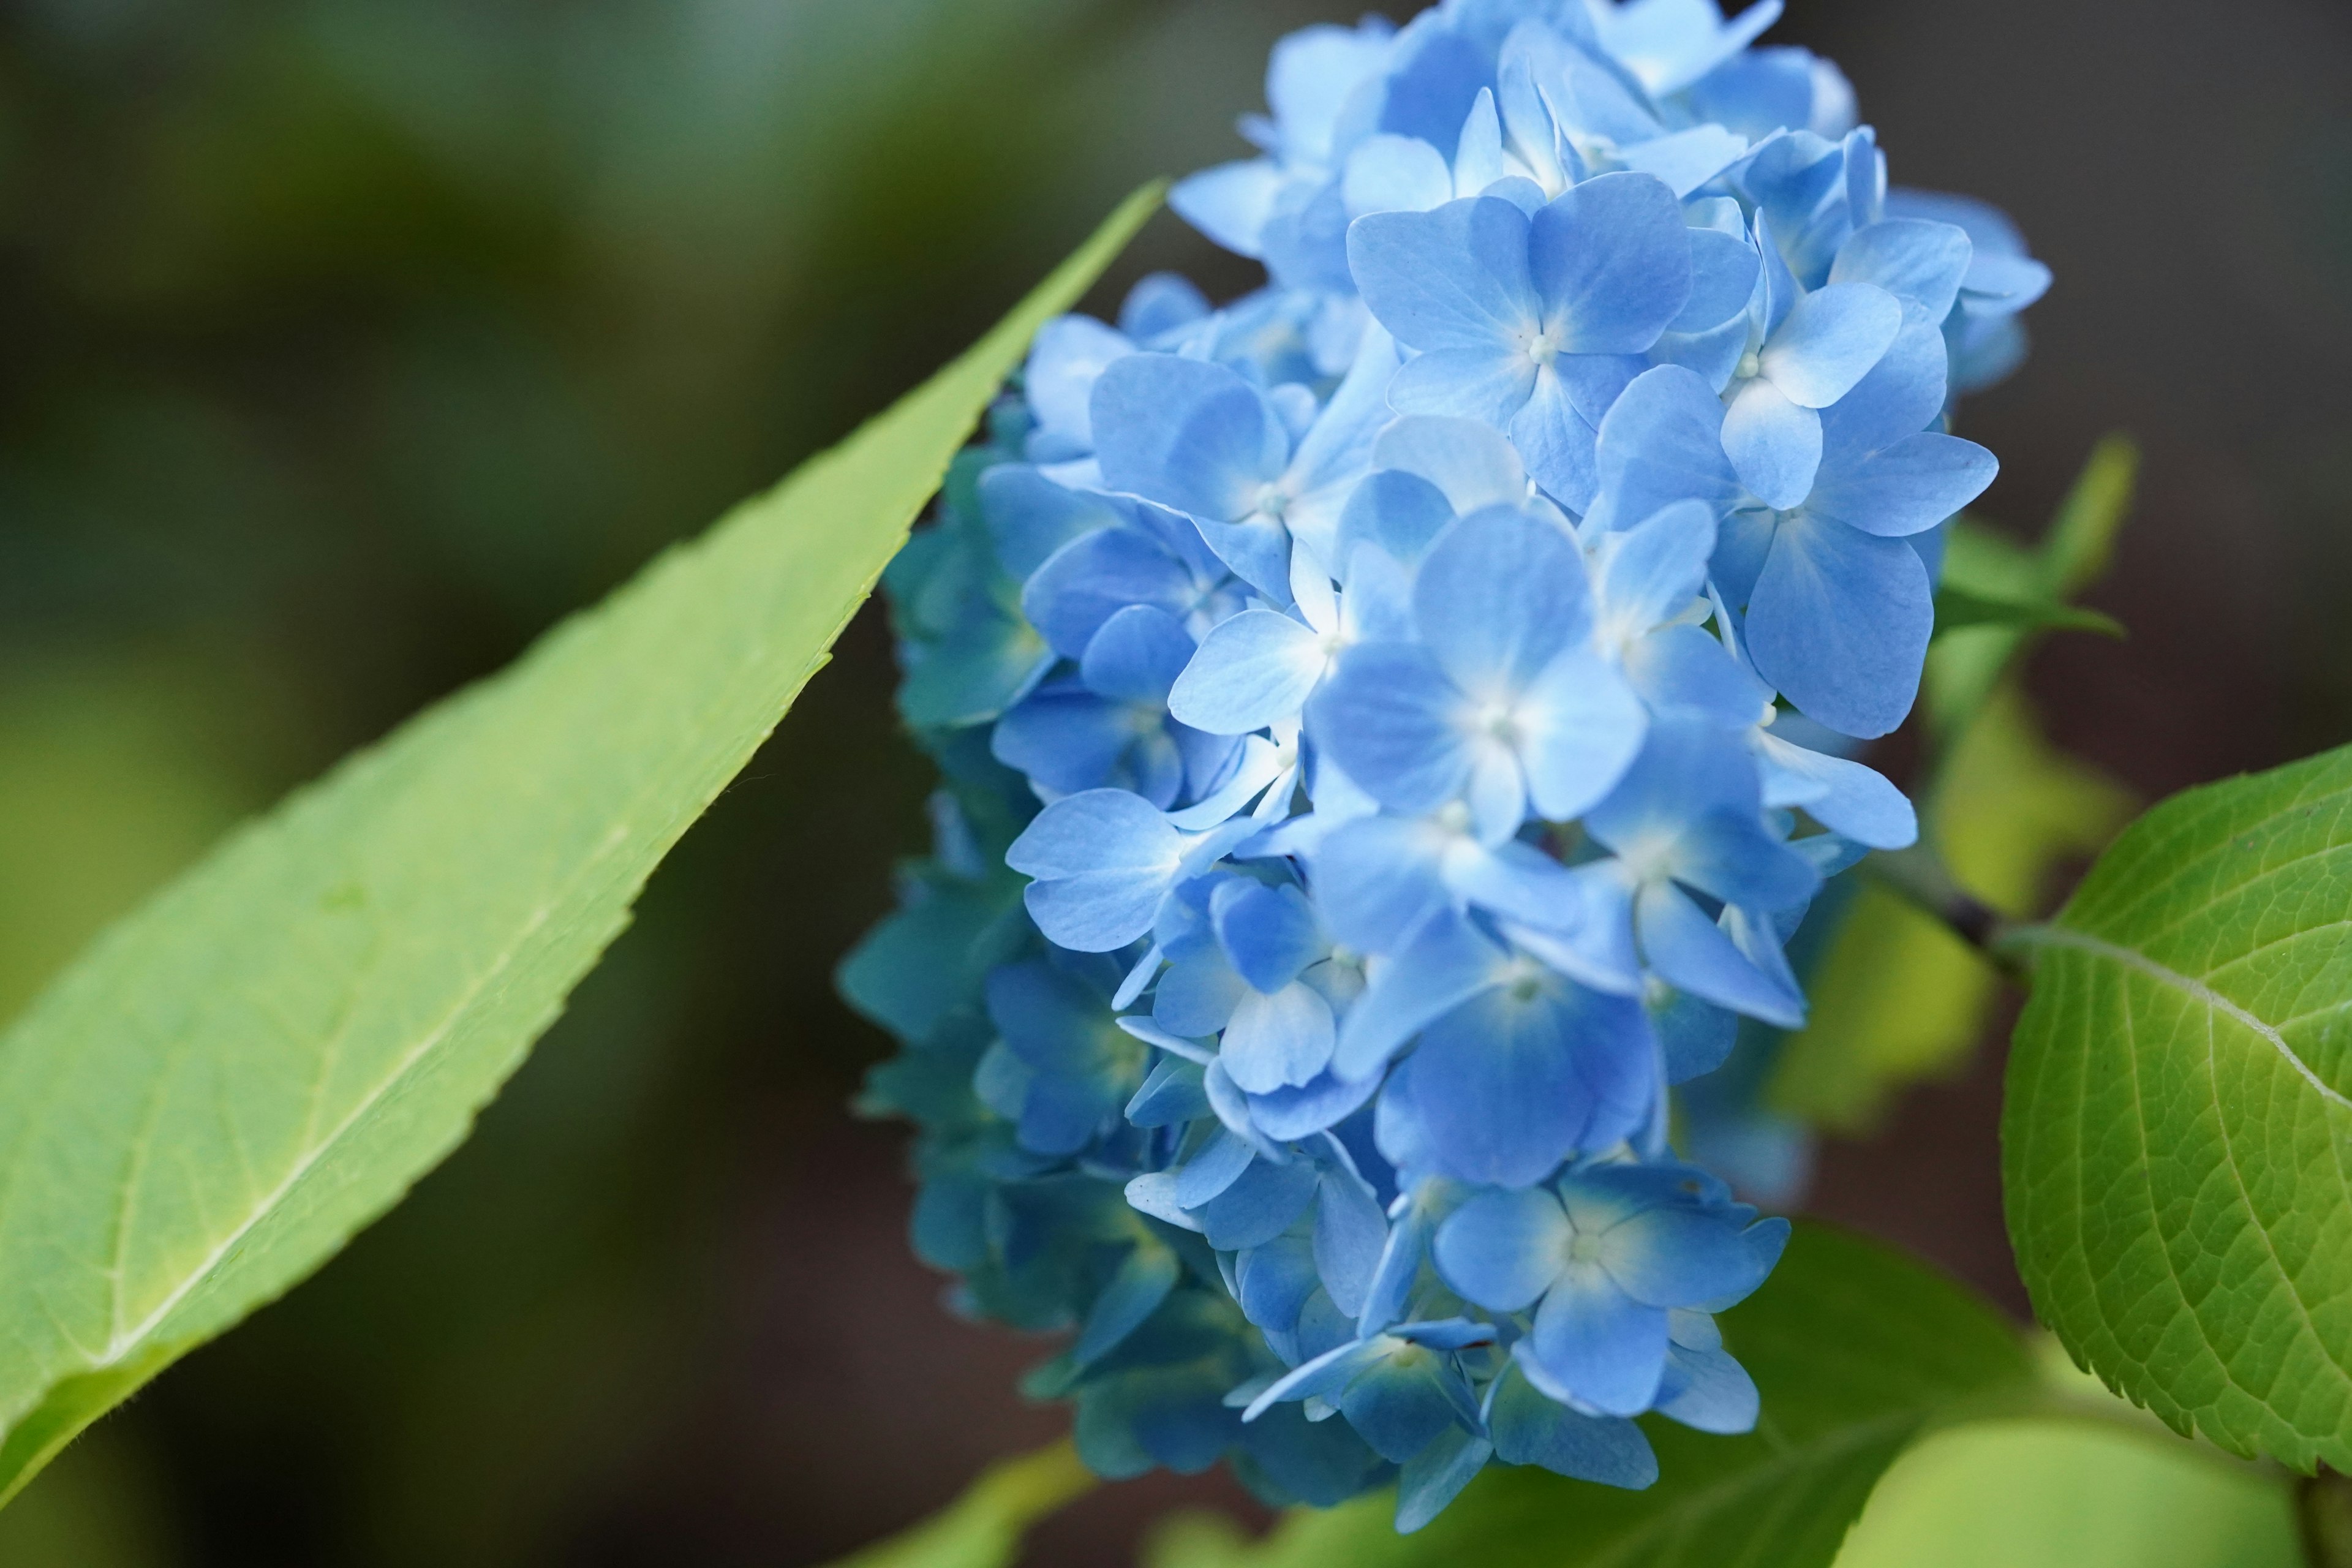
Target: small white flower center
(1545, 347)
(1271, 501)
(1751, 365)
(1495, 721)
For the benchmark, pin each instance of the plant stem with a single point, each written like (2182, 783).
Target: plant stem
(1920, 876)
(2323, 1517)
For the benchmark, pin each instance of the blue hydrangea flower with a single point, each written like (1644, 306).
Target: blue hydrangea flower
(1396, 735)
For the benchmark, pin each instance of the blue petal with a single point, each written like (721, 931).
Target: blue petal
(1259, 1205)
(1389, 717)
(1069, 353)
(1531, 1429)
(1662, 443)
(1259, 551)
(1727, 855)
(1683, 671)
(1287, 1115)
(1844, 796)
(1472, 465)
(1774, 443)
(1395, 173)
(1839, 621)
(1903, 395)
(1230, 203)
(1274, 1283)
(1218, 1165)
(1435, 1476)
(1350, 1233)
(1918, 261)
(1379, 877)
(1497, 598)
(1397, 513)
(1490, 384)
(1161, 302)
(1137, 655)
(1189, 433)
(1651, 570)
(1095, 576)
(1907, 487)
(1396, 1405)
(1677, 1255)
(1454, 278)
(1723, 280)
(1269, 934)
(1029, 517)
(1278, 1041)
(1249, 670)
(1691, 952)
(1581, 726)
(1710, 1392)
(1686, 159)
(1197, 994)
(1830, 340)
(1504, 1249)
(1446, 964)
(1170, 1095)
(1610, 258)
(1558, 442)
(1323, 1375)
(1103, 861)
(1133, 1294)
(1051, 1020)
(1600, 1343)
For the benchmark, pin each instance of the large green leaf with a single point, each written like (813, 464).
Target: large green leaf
(262, 1060)
(2178, 1142)
(1854, 1349)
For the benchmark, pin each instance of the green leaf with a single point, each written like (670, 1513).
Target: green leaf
(1899, 998)
(2070, 1493)
(1957, 608)
(1967, 662)
(262, 1060)
(2177, 1138)
(1855, 1350)
(983, 1529)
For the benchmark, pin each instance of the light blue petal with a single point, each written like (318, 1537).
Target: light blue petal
(1350, 1233)
(1844, 796)
(1259, 551)
(1230, 203)
(1686, 159)
(1268, 934)
(1727, 855)
(1029, 517)
(1159, 303)
(1903, 395)
(1446, 964)
(1580, 727)
(1070, 740)
(1907, 487)
(1612, 261)
(1095, 576)
(1187, 433)
(1504, 1249)
(1588, 937)
(1600, 1343)
(1379, 877)
(1711, 1392)
(1686, 671)
(1531, 1429)
(1490, 384)
(1260, 1205)
(1454, 278)
(1069, 353)
(1389, 716)
(1773, 443)
(1137, 655)
(1281, 1041)
(1691, 952)
(1216, 1167)
(1395, 173)
(1198, 993)
(1919, 262)
(1723, 278)
(1396, 512)
(1839, 622)
(1287, 1115)
(1686, 770)
(1678, 1255)
(1273, 1283)
(1830, 340)
(1253, 671)
(1103, 861)
(1558, 443)
(1662, 443)
(1170, 1095)
(1497, 596)
(1470, 463)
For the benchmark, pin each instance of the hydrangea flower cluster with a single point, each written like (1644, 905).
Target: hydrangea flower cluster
(1391, 726)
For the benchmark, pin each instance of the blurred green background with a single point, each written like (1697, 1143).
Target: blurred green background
(345, 344)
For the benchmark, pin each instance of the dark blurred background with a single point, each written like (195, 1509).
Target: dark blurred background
(345, 344)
